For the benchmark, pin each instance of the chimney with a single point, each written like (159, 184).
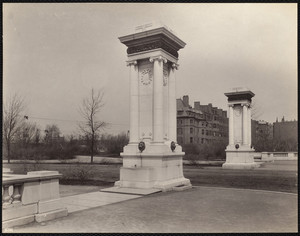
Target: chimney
(197, 105)
(209, 107)
(186, 100)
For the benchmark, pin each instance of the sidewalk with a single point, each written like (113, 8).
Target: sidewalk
(95, 199)
(198, 210)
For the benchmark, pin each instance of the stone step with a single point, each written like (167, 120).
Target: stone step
(182, 187)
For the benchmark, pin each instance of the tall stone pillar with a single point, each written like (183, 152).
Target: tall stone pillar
(245, 124)
(172, 104)
(158, 100)
(151, 161)
(249, 128)
(134, 102)
(239, 154)
(231, 138)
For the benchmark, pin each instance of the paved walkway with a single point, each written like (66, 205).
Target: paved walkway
(197, 210)
(95, 199)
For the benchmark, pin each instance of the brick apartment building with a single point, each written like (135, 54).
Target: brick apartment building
(285, 130)
(201, 124)
(261, 130)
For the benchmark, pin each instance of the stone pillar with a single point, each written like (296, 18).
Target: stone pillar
(158, 121)
(172, 105)
(245, 124)
(152, 163)
(249, 128)
(134, 102)
(239, 156)
(231, 137)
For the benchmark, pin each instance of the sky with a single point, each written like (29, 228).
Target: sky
(55, 53)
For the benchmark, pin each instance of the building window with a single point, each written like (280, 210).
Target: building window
(214, 125)
(202, 140)
(202, 131)
(191, 140)
(191, 130)
(202, 123)
(179, 130)
(191, 121)
(181, 122)
(215, 118)
(206, 132)
(180, 140)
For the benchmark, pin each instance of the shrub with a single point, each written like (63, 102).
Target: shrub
(211, 151)
(114, 144)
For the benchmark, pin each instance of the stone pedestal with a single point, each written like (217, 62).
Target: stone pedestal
(155, 167)
(239, 152)
(152, 57)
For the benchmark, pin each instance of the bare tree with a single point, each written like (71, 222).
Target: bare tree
(52, 134)
(256, 111)
(12, 121)
(27, 133)
(90, 108)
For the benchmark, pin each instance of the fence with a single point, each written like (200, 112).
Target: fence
(31, 197)
(282, 156)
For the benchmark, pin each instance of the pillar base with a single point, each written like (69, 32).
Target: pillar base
(156, 167)
(240, 159)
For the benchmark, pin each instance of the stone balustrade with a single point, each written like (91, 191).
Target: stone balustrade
(271, 156)
(31, 197)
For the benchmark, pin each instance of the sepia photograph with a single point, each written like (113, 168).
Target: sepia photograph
(150, 117)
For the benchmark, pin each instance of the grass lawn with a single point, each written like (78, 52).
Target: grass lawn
(271, 178)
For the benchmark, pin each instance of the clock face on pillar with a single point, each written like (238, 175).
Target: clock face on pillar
(146, 76)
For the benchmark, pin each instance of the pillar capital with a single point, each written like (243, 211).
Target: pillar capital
(129, 63)
(175, 66)
(158, 58)
(245, 104)
(230, 105)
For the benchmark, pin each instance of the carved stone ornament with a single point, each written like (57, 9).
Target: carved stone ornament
(165, 77)
(237, 111)
(146, 76)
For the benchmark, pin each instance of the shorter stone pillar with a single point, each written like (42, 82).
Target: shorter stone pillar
(239, 154)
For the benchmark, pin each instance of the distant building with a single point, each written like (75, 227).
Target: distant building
(285, 130)
(261, 129)
(261, 135)
(201, 124)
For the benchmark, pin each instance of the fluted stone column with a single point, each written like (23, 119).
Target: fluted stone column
(249, 125)
(158, 121)
(134, 102)
(231, 138)
(245, 124)
(172, 104)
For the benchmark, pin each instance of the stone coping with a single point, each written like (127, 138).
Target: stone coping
(279, 152)
(156, 31)
(14, 179)
(154, 155)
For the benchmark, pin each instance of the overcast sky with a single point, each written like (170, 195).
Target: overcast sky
(55, 53)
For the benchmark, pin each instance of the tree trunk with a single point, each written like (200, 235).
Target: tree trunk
(92, 149)
(8, 152)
